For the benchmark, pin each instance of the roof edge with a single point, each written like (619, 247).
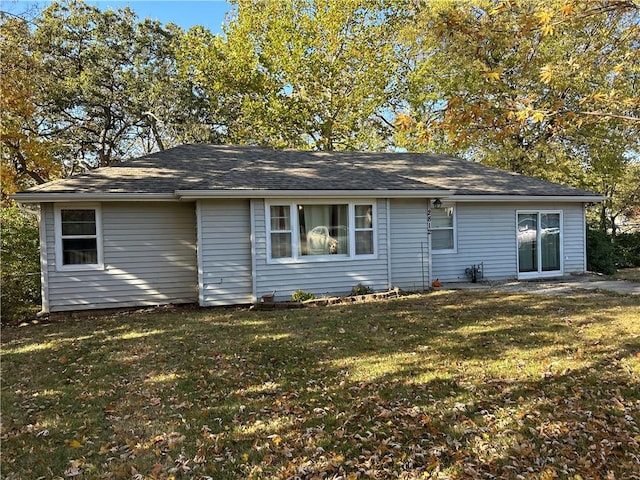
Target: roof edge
(527, 198)
(34, 197)
(204, 194)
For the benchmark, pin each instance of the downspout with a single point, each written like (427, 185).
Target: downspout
(389, 270)
(199, 247)
(429, 272)
(252, 239)
(584, 237)
(44, 263)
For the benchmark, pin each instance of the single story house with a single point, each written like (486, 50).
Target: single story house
(223, 225)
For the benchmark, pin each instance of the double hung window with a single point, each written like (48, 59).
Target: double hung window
(78, 237)
(280, 231)
(363, 230)
(310, 231)
(443, 229)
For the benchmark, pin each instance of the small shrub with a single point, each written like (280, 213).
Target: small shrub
(302, 296)
(600, 255)
(361, 289)
(19, 265)
(626, 247)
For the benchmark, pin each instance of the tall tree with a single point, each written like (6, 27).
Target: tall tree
(25, 157)
(520, 84)
(114, 90)
(303, 73)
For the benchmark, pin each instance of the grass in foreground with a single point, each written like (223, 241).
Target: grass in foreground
(447, 385)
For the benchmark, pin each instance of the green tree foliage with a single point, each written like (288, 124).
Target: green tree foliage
(112, 90)
(19, 264)
(84, 88)
(618, 179)
(548, 89)
(305, 73)
(25, 156)
(600, 254)
(523, 85)
(627, 249)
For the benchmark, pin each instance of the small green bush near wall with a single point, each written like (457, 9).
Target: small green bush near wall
(19, 264)
(600, 255)
(302, 296)
(627, 250)
(361, 289)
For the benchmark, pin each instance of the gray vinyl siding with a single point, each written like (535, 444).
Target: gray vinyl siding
(573, 240)
(331, 277)
(225, 252)
(409, 247)
(149, 254)
(486, 233)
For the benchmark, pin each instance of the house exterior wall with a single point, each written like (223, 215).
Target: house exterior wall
(153, 255)
(149, 254)
(321, 277)
(486, 232)
(574, 242)
(224, 253)
(409, 244)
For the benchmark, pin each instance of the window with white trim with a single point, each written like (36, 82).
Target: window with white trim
(310, 231)
(280, 231)
(540, 238)
(443, 229)
(78, 237)
(363, 229)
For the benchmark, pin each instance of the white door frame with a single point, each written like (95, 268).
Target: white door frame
(540, 273)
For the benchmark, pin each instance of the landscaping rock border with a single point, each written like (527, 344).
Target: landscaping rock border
(321, 302)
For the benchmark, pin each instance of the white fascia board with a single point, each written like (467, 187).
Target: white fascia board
(527, 198)
(196, 194)
(28, 197)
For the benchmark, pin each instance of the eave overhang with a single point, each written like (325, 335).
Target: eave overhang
(40, 197)
(527, 198)
(450, 195)
(204, 194)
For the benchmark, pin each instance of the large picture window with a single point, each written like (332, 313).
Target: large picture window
(78, 241)
(321, 231)
(324, 229)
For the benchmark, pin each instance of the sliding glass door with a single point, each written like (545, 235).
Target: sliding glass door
(539, 244)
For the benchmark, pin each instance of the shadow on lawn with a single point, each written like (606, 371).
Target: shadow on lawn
(412, 385)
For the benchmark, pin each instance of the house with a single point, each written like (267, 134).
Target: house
(223, 225)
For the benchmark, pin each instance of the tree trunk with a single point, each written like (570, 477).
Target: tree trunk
(603, 217)
(21, 166)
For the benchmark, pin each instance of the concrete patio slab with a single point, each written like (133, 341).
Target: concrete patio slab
(564, 286)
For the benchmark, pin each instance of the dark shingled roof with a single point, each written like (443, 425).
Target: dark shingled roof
(221, 167)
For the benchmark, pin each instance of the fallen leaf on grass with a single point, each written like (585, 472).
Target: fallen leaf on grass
(72, 472)
(155, 471)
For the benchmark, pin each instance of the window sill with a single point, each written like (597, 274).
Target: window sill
(320, 259)
(442, 252)
(80, 268)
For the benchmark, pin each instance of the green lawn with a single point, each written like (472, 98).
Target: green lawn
(447, 385)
